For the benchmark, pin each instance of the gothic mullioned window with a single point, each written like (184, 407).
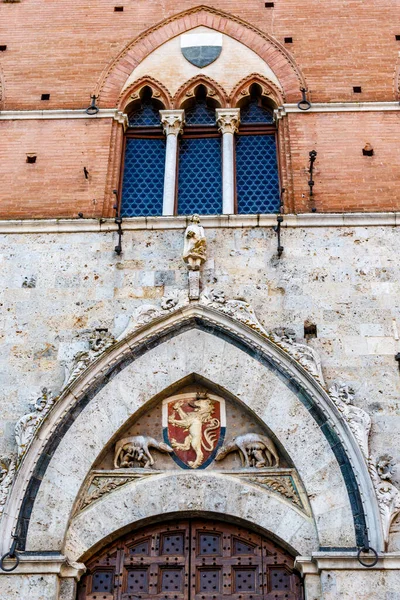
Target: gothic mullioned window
(143, 179)
(198, 168)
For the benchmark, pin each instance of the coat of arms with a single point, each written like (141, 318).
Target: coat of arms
(201, 49)
(194, 426)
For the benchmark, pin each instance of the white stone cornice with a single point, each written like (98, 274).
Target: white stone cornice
(29, 226)
(344, 561)
(104, 113)
(45, 564)
(335, 107)
(228, 119)
(172, 121)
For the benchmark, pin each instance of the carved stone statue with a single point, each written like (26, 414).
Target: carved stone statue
(134, 451)
(359, 421)
(387, 494)
(255, 450)
(195, 244)
(28, 424)
(192, 422)
(305, 355)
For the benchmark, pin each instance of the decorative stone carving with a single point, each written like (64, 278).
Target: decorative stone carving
(359, 421)
(309, 358)
(238, 309)
(198, 438)
(387, 494)
(102, 485)
(282, 485)
(134, 451)
(255, 450)
(99, 341)
(27, 425)
(195, 244)
(172, 121)
(228, 120)
(8, 467)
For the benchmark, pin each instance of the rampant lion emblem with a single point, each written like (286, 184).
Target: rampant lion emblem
(194, 428)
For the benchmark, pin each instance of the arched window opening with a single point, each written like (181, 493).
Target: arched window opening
(200, 177)
(257, 178)
(143, 179)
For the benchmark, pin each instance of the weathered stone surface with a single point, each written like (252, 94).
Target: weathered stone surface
(29, 587)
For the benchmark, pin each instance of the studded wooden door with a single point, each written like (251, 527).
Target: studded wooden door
(192, 560)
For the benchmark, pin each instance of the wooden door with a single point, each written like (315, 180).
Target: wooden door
(192, 559)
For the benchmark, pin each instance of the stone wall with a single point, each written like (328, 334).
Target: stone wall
(57, 287)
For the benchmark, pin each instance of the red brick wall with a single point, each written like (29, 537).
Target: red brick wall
(55, 185)
(337, 44)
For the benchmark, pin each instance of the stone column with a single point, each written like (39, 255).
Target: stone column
(228, 120)
(172, 122)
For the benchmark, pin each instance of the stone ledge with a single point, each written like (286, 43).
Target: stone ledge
(343, 561)
(45, 564)
(377, 219)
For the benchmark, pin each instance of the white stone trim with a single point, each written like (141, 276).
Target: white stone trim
(344, 561)
(228, 123)
(104, 113)
(172, 122)
(382, 219)
(45, 564)
(334, 107)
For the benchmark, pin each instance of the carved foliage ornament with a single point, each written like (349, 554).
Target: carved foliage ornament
(309, 358)
(8, 467)
(28, 424)
(388, 496)
(358, 420)
(99, 341)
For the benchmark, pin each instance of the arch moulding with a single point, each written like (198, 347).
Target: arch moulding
(263, 44)
(235, 356)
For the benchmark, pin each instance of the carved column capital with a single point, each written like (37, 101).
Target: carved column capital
(172, 121)
(228, 119)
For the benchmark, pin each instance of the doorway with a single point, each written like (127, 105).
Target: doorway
(192, 559)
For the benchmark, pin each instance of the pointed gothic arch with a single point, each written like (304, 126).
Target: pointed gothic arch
(188, 90)
(266, 46)
(234, 356)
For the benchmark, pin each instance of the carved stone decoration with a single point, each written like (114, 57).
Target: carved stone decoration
(99, 341)
(228, 120)
(195, 244)
(255, 450)
(134, 451)
(283, 485)
(359, 421)
(8, 467)
(194, 424)
(238, 309)
(102, 486)
(172, 121)
(28, 424)
(387, 494)
(309, 358)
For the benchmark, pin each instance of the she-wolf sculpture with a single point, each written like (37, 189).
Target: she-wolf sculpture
(255, 450)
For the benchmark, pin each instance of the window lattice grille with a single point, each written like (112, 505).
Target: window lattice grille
(143, 183)
(200, 179)
(200, 114)
(257, 174)
(146, 116)
(252, 113)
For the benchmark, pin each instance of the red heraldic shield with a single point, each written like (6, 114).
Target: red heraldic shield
(194, 425)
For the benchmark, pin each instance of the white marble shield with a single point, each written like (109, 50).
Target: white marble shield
(201, 49)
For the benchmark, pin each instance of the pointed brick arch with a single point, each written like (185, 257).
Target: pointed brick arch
(263, 44)
(187, 90)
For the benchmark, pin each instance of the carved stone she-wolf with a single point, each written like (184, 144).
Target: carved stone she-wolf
(255, 450)
(135, 449)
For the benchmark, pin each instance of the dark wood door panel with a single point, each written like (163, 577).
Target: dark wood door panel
(192, 559)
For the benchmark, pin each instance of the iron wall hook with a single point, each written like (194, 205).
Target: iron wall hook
(118, 221)
(304, 104)
(92, 109)
(11, 554)
(313, 157)
(277, 230)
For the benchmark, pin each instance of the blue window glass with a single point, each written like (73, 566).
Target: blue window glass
(253, 113)
(146, 116)
(200, 114)
(200, 179)
(143, 183)
(257, 182)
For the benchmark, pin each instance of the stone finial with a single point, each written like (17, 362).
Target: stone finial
(358, 420)
(228, 120)
(387, 494)
(172, 121)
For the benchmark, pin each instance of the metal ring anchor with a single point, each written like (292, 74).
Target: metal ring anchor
(92, 109)
(367, 550)
(304, 104)
(11, 554)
